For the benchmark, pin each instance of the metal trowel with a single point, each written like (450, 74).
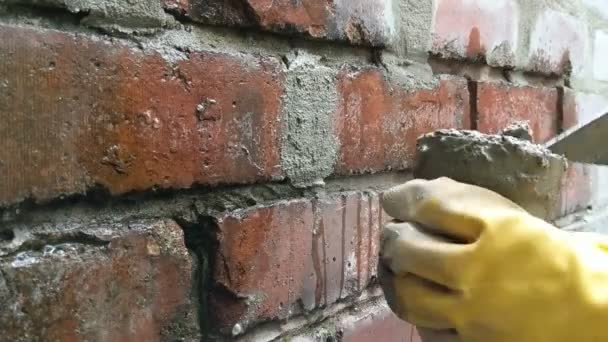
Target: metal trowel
(584, 143)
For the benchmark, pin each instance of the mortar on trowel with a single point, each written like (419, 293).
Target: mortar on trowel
(524, 172)
(508, 163)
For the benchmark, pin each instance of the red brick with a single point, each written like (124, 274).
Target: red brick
(136, 286)
(378, 123)
(273, 262)
(570, 109)
(365, 22)
(78, 113)
(380, 324)
(501, 104)
(476, 29)
(577, 188)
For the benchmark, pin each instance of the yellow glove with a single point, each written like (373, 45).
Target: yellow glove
(465, 258)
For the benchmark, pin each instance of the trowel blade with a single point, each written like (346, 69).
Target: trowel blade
(584, 143)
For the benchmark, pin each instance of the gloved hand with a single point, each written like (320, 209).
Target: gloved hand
(462, 257)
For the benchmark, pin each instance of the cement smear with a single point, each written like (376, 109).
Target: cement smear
(528, 174)
(309, 149)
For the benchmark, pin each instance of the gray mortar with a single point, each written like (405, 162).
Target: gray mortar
(409, 74)
(133, 16)
(219, 39)
(528, 174)
(414, 22)
(519, 130)
(309, 146)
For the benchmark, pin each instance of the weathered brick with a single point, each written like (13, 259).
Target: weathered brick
(368, 22)
(476, 29)
(77, 112)
(378, 123)
(379, 324)
(291, 257)
(134, 285)
(501, 104)
(576, 191)
(178, 6)
(557, 43)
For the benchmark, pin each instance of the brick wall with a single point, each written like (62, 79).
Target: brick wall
(187, 170)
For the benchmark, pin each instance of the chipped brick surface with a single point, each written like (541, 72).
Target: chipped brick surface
(113, 117)
(367, 22)
(132, 286)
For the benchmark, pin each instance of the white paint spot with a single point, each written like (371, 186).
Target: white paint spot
(237, 329)
(23, 259)
(600, 56)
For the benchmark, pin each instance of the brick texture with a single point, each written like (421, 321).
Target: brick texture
(476, 30)
(557, 44)
(378, 123)
(378, 325)
(577, 184)
(500, 104)
(276, 261)
(367, 22)
(123, 97)
(134, 286)
(78, 113)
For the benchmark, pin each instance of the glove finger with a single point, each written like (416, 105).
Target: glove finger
(408, 249)
(447, 207)
(423, 303)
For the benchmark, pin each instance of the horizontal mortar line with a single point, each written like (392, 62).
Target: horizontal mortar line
(170, 202)
(301, 323)
(480, 71)
(241, 35)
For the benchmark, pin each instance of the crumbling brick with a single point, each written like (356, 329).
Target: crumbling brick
(132, 285)
(364, 22)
